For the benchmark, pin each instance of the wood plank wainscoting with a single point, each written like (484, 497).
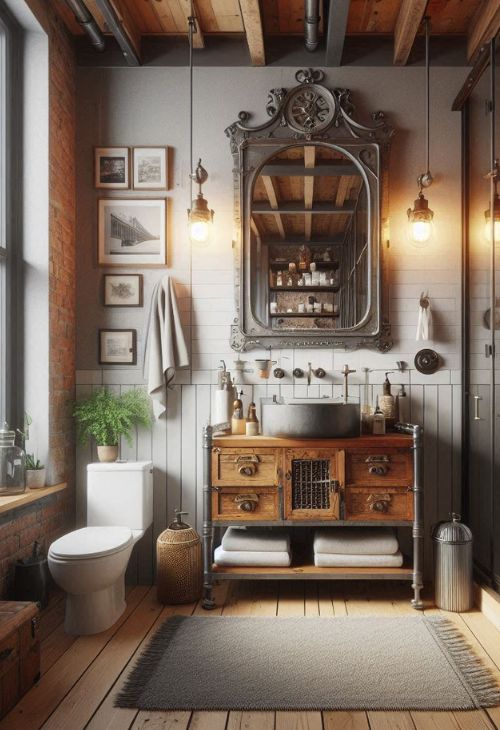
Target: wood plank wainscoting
(81, 676)
(175, 444)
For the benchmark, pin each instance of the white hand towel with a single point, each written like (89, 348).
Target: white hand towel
(165, 348)
(424, 325)
(281, 559)
(356, 541)
(256, 539)
(325, 560)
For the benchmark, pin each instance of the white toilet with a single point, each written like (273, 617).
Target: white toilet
(90, 563)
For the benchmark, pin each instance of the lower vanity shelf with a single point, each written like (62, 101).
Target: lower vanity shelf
(310, 571)
(367, 481)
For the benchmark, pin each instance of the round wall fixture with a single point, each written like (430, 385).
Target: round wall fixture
(427, 361)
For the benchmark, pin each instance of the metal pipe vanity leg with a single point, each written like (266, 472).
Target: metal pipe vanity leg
(418, 518)
(208, 530)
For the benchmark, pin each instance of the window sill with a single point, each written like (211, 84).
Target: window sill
(30, 495)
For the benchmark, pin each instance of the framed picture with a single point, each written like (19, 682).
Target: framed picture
(117, 347)
(111, 167)
(122, 290)
(150, 168)
(132, 232)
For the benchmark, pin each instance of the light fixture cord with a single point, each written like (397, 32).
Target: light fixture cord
(191, 29)
(427, 100)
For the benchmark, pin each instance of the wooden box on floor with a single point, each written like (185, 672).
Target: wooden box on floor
(19, 651)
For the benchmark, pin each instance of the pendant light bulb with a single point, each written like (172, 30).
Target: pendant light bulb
(200, 216)
(496, 219)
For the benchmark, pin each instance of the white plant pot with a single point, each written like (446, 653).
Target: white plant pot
(35, 478)
(107, 453)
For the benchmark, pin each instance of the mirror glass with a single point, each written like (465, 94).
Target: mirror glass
(309, 240)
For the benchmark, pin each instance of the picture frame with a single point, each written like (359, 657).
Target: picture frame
(117, 347)
(150, 168)
(112, 168)
(132, 232)
(122, 290)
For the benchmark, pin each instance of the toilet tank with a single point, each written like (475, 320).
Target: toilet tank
(120, 494)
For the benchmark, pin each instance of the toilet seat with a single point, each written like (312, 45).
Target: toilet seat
(91, 542)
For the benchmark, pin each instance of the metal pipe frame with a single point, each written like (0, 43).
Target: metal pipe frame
(122, 37)
(418, 510)
(208, 529)
(311, 24)
(85, 18)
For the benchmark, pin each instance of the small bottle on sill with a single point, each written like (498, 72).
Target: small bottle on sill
(378, 420)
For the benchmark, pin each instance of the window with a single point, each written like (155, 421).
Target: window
(10, 209)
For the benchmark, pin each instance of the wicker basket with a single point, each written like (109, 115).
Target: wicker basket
(178, 563)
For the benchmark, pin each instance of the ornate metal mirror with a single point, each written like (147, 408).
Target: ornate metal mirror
(310, 213)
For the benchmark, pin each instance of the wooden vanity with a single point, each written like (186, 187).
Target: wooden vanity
(369, 480)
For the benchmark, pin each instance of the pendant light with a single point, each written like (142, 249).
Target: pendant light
(199, 215)
(420, 217)
(494, 225)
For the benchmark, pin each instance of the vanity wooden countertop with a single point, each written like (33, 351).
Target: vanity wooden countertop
(388, 440)
(30, 495)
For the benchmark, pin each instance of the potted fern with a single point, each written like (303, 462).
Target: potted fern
(107, 417)
(35, 472)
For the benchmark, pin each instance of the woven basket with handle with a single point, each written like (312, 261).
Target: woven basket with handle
(178, 563)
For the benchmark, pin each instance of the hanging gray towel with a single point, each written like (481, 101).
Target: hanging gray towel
(165, 348)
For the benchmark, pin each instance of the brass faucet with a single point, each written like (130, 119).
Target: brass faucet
(346, 372)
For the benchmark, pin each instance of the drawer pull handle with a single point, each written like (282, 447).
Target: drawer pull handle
(379, 502)
(5, 653)
(383, 458)
(247, 471)
(247, 465)
(247, 502)
(379, 470)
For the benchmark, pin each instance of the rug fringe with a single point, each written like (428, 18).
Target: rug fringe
(146, 664)
(482, 685)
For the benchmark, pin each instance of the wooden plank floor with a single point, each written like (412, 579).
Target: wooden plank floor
(81, 676)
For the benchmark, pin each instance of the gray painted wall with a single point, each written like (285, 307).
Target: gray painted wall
(124, 106)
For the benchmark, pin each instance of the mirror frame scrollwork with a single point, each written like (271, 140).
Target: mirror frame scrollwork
(327, 121)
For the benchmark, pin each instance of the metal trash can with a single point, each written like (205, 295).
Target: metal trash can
(178, 563)
(453, 565)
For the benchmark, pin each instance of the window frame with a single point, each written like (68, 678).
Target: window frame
(11, 288)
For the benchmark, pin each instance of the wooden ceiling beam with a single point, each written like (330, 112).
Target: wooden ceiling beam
(309, 163)
(252, 21)
(486, 25)
(274, 203)
(409, 19)
(338, 14)
(198, 38)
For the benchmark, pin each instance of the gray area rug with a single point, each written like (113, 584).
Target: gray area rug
(218, 663)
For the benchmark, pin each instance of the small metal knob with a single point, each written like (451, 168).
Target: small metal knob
(319, 373)
(279, 373)
(379, 506)
(298, 373)
(248, 470)
(379, 471)
(247, 506)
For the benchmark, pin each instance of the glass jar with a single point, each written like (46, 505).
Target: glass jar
(12, 464)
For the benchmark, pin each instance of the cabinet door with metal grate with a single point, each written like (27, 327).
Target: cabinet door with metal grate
(314, 479)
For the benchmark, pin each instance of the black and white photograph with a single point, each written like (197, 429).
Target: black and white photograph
(132, 232)
(150, 168)
(111, 167)
(117, 347)
(122, 290)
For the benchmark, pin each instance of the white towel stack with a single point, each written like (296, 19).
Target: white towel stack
(357, 547)
(254, 546)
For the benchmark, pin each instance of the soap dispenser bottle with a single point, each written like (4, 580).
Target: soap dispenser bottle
(238, 423)
(378, 420)
(252, 422)
(388, 403)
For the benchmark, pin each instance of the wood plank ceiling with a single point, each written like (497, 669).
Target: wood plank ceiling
(476, 21)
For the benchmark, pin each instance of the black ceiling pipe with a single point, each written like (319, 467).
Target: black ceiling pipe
(85, 18)
(311, 24)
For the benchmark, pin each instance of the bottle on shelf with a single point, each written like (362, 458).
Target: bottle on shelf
(378, 420)
(279, 278)
(238, 424)
(252, 422)
(388, 403)
(402, 405)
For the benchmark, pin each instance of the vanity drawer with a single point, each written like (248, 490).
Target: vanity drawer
(379, 466)
(378, 503)
(257, 503)
(235, 467)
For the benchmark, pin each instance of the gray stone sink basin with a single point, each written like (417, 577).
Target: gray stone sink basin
(310, 418)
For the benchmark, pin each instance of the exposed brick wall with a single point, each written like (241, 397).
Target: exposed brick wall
(47, 519)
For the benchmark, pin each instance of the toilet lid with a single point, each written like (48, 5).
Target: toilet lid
(91, 542)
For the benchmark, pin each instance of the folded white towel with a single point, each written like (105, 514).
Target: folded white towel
(256, 539)
(356, 541)
(255, 558)
(325, 560)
